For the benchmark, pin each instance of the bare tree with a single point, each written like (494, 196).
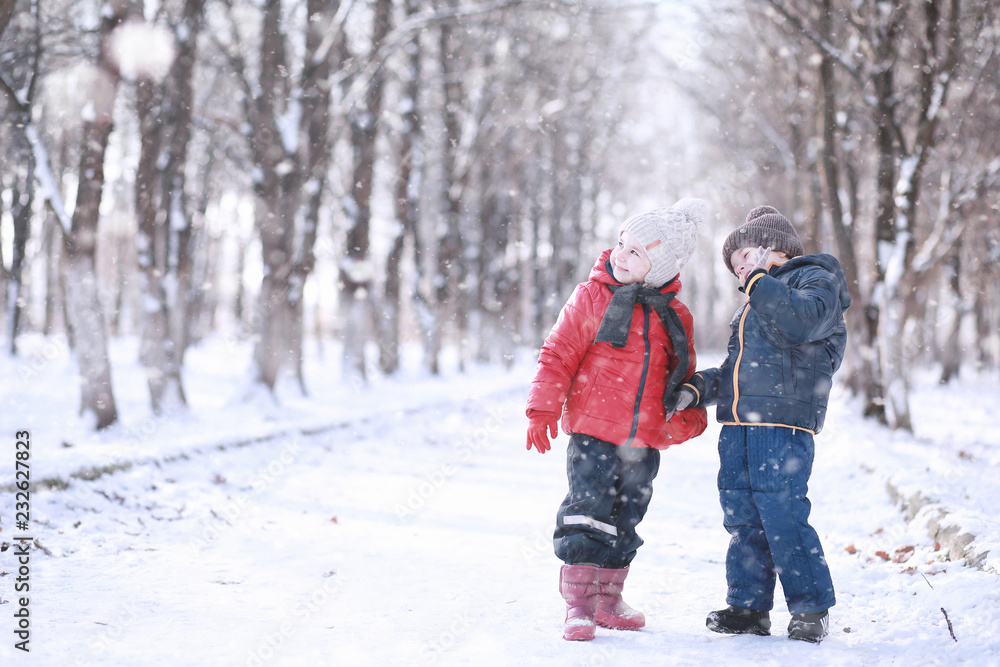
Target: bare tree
(356, 268)
(834, 157)
(164, 246)
(22, 204)
(82, 295)
(906, 136)
(874, 81)
(406, 202)
(33, 168)
(451, 270)
(22, 176)
(289, 147)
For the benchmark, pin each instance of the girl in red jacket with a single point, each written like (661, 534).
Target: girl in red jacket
(621, 344)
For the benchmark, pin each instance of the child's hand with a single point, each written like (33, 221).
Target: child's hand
(541, 426)
(762, 259)
(685, 399)
(681, 399)
(685, 396)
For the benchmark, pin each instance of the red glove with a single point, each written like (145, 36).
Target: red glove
(541, 426)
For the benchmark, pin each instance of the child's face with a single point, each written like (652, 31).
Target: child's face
(629, 261)
(744, 259)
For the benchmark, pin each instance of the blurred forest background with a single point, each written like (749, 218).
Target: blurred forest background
(443, 172)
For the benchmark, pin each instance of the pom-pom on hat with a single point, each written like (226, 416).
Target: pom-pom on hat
(766, 227)
(669, 236)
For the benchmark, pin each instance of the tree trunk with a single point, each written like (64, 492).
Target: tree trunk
(6, 12)
(986, 333)
(25, 166)
(83, 304)
(951, 362)
(409, 182)
(313, 159)
(487, 310)
(289, 178)
(507, 278)
(51, 244)
(164, 240)
(356, 271)
(97, 401)
(843, 236)
(239, 302)
(387, 322)
(451, 269)
(271, 320)
(885, 229)
(155, 354)
(180, 218)
(21, 211)
(273, 219)
(537, 292)
(899, 281)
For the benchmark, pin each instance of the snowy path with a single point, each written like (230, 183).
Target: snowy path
(424, 538)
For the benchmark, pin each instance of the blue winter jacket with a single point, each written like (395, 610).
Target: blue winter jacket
(787, 341)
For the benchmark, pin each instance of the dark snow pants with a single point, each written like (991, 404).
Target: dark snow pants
(763, 477)
(609, 490)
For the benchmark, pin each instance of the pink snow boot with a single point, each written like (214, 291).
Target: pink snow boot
(612, 611)
(578, 585)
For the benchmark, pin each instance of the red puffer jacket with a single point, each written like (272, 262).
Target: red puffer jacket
(602, 387)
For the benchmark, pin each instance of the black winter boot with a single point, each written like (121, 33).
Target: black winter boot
(735, 620)
(809, 627)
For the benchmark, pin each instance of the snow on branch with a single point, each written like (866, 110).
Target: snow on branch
(826, 47)
(938, 244)
(43, 172)
(367, 68)
(43, 169)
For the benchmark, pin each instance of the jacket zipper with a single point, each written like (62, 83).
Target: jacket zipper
(736, 367)
(642, 378)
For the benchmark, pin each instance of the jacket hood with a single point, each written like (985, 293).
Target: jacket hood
(601, 273)
(826, 262)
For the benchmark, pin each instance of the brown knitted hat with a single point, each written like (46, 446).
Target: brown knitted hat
(765, 226)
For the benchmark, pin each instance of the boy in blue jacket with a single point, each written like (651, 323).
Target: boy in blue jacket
(771, 392)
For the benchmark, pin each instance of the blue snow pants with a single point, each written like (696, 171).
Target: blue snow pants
(763, 477)
(609, 491)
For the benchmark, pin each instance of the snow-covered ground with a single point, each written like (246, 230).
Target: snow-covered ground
(405, 523)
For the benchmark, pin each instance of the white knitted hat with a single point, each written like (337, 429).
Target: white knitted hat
(669, 236)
